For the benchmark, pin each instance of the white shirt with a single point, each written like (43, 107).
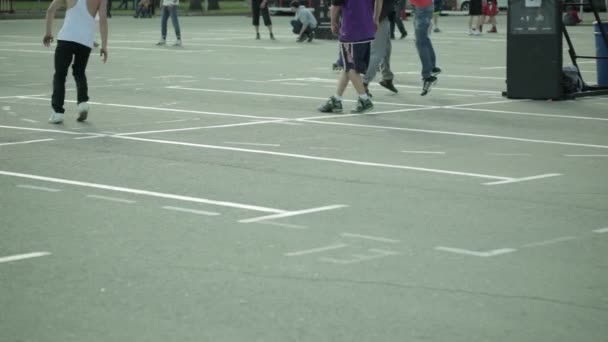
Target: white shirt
(170, 2)
(78, 26)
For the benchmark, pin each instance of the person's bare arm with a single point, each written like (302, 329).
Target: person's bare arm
(50, 15)
(377, 10)
(103, 29)
(335, 23)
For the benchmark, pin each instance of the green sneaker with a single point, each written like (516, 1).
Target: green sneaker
(332, 105)
(362, 106)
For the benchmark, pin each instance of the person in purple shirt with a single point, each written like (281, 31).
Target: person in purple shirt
(360, 20)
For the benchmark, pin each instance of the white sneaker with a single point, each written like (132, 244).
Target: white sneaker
(178, 43)
(161, 42)
(83, 111)
(56, 118)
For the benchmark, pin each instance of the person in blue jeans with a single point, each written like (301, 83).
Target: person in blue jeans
(423, 10)
(170, 9)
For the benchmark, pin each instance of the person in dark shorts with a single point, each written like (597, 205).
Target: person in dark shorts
(475, 12)
(360, 20)
(257, 7)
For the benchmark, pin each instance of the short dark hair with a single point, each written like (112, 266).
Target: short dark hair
(294, 3)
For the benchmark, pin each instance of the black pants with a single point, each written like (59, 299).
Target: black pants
(64, 54)
(255, 6)
(297, 27)
(395, 19)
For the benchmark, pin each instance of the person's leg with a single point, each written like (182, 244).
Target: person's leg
(163, 25)
(81, 58)
(296, 25)
(424, 47)
(63, 59)
(267, 21)
(379, 48)
(255, 9)
(175, 22)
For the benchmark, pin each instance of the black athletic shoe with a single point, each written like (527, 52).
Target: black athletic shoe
(257, 36)
(436, 71)
(272, 37)
(311, 35)
(429, 82)
(403, 35)
(331, 106)
(388, 84)
(362, 106)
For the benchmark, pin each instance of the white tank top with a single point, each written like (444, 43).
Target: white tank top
(79, 25)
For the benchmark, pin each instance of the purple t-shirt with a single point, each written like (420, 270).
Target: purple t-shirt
(357, 20)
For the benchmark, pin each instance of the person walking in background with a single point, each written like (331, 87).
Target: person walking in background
(475, 21)
(170, 9)
(438, 5)
(261, 7)
(380, 58)
(395, 18)
(490, 10)
(74, 45)
(360, 20)
(423, 11)
(304, 23)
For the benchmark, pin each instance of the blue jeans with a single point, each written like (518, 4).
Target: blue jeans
(170, 10)
(423, 43)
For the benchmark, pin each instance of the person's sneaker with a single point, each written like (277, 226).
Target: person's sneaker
(56, 118)
(161, 42)
(272, 36)
(403, 35)
(83, 111)
(257, 36)
(331, 106)
(362, 106)
(311, 35)
(178, 43)
(388, 84)
(429, 82)
(300, 39)
(435, 71)
(436, 30)
(493, 30)
(336, 67)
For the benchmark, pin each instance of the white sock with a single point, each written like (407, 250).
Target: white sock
(338, 97)
(363, 96)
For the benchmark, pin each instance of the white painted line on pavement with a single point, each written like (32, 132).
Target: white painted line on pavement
(476, 253)
(456, 133)
(585, 155)
(423, 152)
(30, 120)
(369, 237)
(293, 213)
(303, 156)
(42, 130)
(111, 199)
(41, 188)
(144, 192)
(249, 143)
(357, 258)
(23, 256)
(558, 116)
(550, 242)
(25, 142)
(197, 128)
(601, 230)
(285, 225)
(317, 250)
(524, 179)
(192, 211)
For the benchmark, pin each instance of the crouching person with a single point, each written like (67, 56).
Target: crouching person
(304, 22)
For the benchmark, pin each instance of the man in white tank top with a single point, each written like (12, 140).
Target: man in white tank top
(74, 42)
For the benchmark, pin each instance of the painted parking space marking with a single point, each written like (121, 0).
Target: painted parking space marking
(191, 211)
(18, 257)
(111, 199)
(601, 230)
(34, 187)
(358, 258)
(524, 179)
(369, 237)
(483, 254)
(284, 225)
(293, 213)
(316, 250)
(25, 142)
(551, 241)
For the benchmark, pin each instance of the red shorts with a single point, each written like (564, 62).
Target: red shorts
(490, 8)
